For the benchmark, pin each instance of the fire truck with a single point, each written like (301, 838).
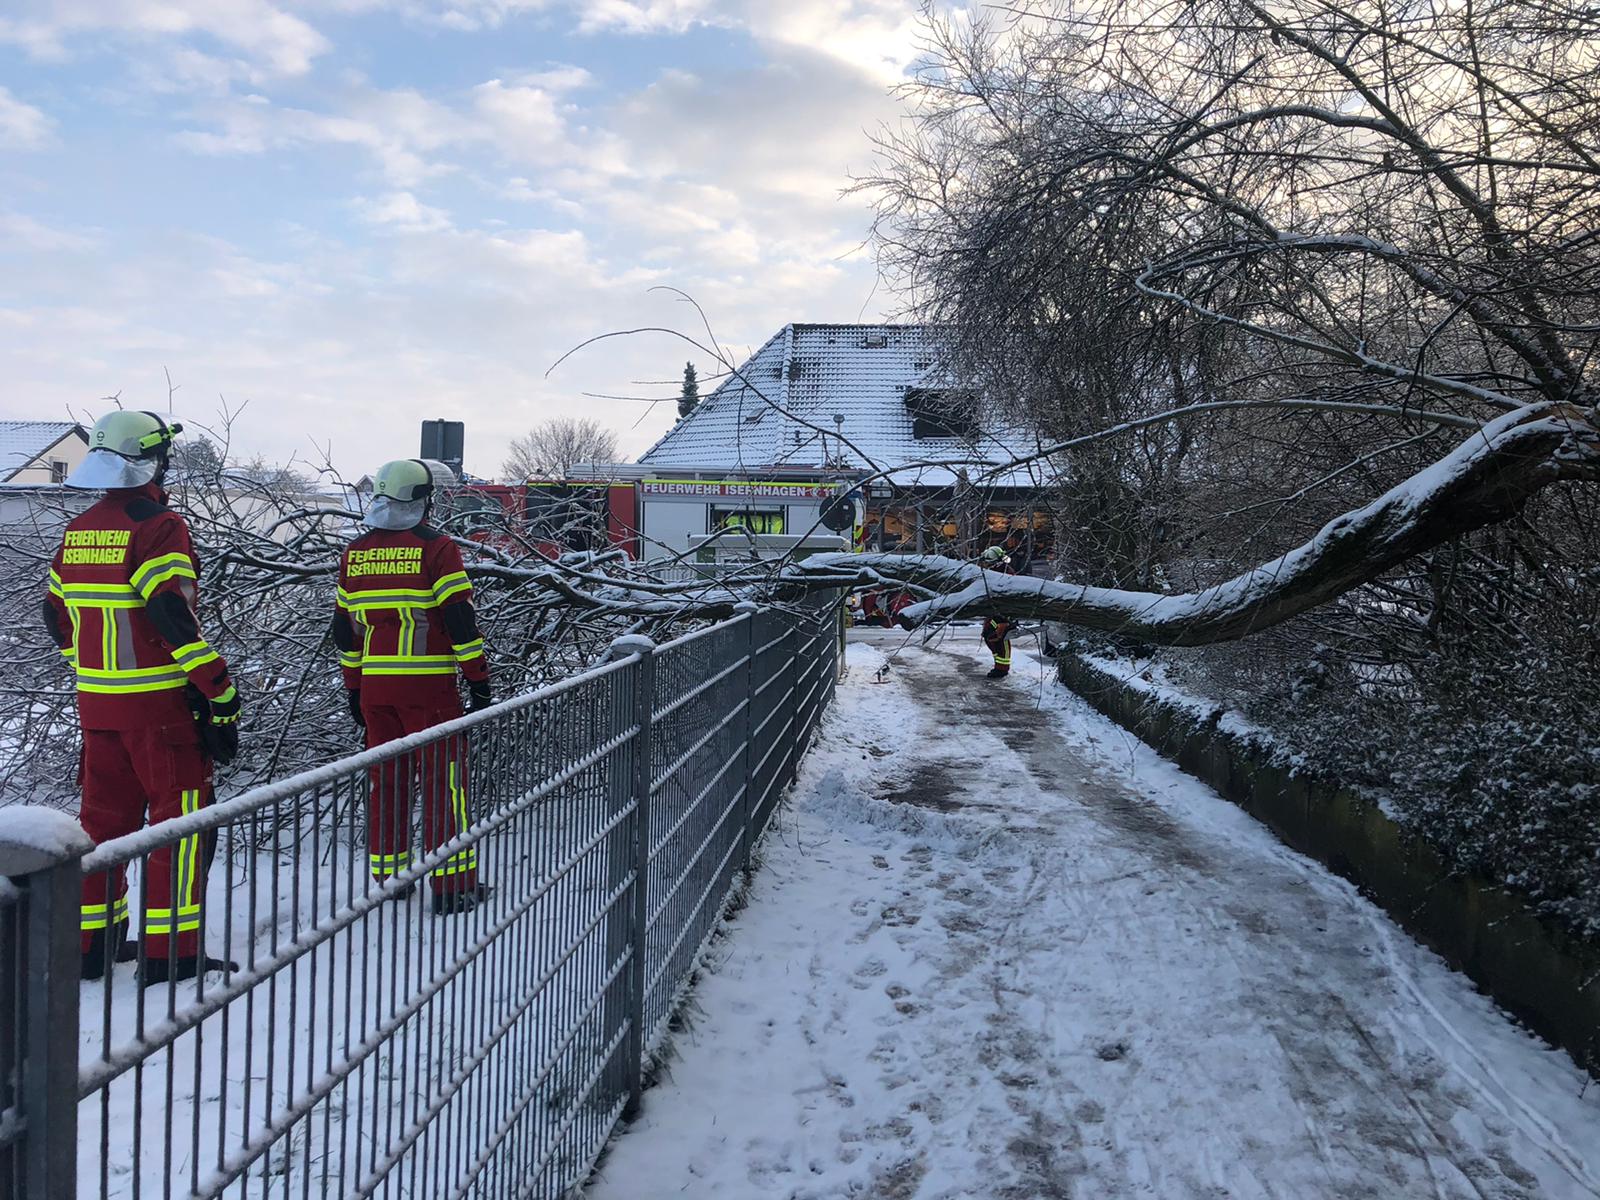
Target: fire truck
(694, 517)
(551, 516)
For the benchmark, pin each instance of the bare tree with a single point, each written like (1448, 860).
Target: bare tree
(1213, 249)
(268, 540)
(1305, 300)
(553, 447)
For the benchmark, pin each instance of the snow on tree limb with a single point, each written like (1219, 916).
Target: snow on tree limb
(1483, 481)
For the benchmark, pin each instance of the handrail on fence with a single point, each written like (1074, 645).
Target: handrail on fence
(357, 1036)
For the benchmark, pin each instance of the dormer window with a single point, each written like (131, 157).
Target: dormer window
(942, 413)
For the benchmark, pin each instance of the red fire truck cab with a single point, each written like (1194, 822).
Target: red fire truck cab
(552, 516)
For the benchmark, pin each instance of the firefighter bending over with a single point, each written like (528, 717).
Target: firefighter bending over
(997, 630)
(155, 702)
(404, 624)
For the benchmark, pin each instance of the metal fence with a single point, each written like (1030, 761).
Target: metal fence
(356, 1042)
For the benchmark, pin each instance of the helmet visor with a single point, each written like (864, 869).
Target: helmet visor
(104, 469)
(385, 512)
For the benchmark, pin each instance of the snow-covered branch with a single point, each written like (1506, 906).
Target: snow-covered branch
(1486, 480)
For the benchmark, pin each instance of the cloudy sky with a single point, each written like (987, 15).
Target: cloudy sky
(355, 214)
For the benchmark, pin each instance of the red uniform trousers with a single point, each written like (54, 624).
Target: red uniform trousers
(127, 772)
(997, 636)
(441, 769)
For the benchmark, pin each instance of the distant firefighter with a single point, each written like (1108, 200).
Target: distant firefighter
(404, 625)
(997, 630)
(155, 701)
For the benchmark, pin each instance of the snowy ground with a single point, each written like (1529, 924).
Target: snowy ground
(1000, 949)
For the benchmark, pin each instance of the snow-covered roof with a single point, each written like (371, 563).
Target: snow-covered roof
(819, 396)
(23, 442)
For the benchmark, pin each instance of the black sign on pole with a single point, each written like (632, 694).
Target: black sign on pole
(445, 441)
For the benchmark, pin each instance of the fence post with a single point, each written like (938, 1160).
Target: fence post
(40, 851)
(747, 813)
(644, 687)
(795, 646)
(841, 619)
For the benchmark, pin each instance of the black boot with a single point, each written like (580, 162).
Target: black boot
(998, 673)
(163, 970)
(96, 959)
(449, 904)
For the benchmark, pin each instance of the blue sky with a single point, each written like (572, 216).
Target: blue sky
(349, 215)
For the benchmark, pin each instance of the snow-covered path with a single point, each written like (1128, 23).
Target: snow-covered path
(1000, 949)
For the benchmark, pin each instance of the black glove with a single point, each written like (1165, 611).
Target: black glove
(221, 732)
(354, 697)
(478, 695)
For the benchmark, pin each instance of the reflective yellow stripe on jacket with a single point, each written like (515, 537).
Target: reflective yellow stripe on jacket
(406, 603)
(137, 679)
(107, 599)
(450, 585)
(408, 664)
(195, 654)
(401, 598)
(100, 595)
(152, 573)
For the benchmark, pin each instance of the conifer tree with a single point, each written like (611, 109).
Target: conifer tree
(690, 396)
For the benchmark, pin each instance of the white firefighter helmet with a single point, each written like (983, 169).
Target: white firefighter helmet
(993, 557)
(402, 491)
(127, 449)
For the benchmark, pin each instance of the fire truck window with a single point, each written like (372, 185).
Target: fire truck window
(566, 516)
(478, 509)
(756, 520)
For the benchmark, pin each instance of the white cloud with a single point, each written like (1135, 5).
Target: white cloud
(259, 29)
(559, 77)
(794, 125)
(469, 16)
(401, 129)
(22, 126)
(876, 36)
(413, 137)
(722, 184)
(21, 233)
(403, 213)
(357, 343)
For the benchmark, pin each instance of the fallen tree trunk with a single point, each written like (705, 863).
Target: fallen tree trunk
(1484, 481)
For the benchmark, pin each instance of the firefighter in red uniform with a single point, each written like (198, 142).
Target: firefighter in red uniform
(121, 607)
(997, 630)
(404, 624)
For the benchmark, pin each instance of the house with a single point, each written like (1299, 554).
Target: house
(40, 451)
(868, 410)
(35, 456)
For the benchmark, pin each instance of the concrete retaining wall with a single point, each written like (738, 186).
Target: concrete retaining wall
(1535, 969)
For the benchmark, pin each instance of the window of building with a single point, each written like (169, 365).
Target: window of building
(58, 471)
(942, 413)
(756, 520)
